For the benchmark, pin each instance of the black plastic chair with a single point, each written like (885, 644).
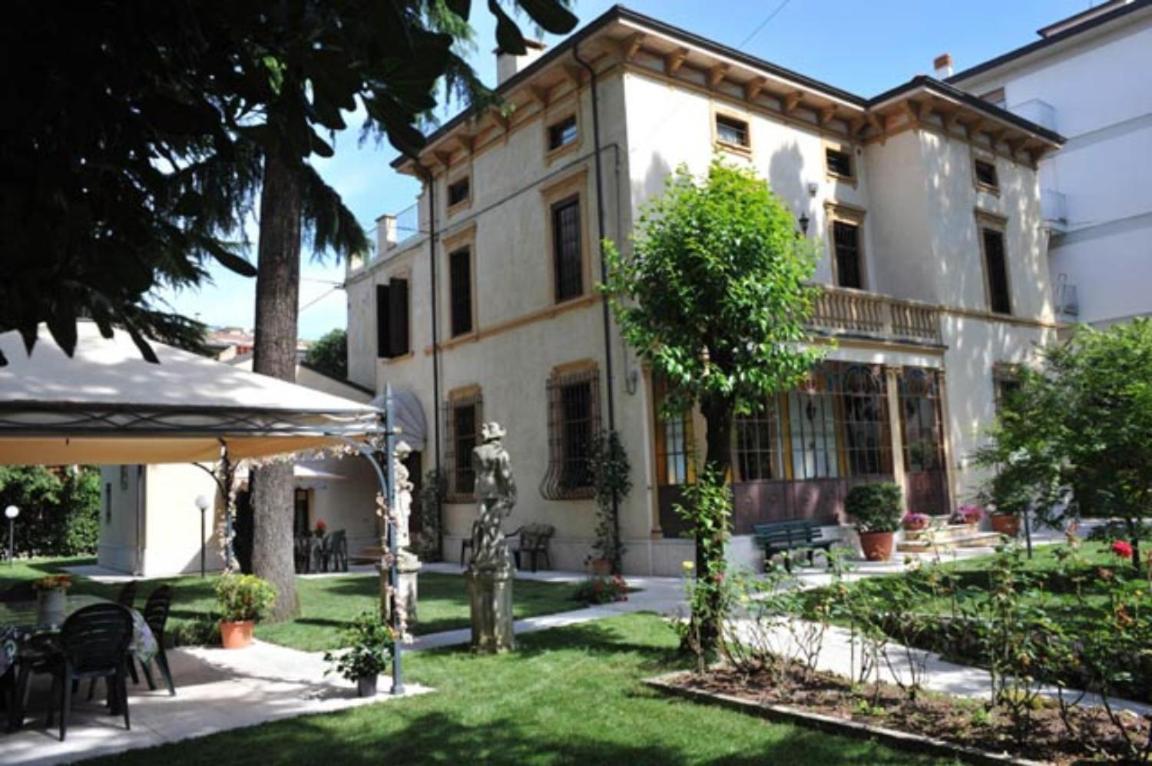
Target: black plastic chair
(127, 595)
(156, 615)
(93, 644)
(335, 552)
(18, 591)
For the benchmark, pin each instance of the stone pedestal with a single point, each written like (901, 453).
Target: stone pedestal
(490, 596)
(407, 591)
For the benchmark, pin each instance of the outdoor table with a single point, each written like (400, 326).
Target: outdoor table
(19, 626)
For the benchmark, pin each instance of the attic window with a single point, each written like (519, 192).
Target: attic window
(732, 131)
(986, 174)
(459, 191)
(562, 133)
(839, 163)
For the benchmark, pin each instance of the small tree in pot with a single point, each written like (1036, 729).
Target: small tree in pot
(611, 477)
(243, 600)
(369, 644)
(876, 510)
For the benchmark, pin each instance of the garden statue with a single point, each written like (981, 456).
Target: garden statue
(407, 563)
(404, 487)
(489, 573)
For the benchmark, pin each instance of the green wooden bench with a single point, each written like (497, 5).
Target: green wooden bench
(788, 536)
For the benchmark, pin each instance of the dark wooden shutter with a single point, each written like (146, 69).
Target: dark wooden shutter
(460, 289)
(382, 336)
(398, 317)
(997, 267)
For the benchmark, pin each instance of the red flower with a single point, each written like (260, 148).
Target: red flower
(1122, 548)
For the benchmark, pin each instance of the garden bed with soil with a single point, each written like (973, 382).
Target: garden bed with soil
(935, 723)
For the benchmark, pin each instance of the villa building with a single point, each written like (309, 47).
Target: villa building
(481, 303)
(1087, 77)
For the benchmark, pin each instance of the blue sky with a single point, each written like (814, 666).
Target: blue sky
(862, 47)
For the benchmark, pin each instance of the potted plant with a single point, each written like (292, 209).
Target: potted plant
(876, 509)
(968, 514)
(611, 479)
(243, 600)
(368, 649)
(51, 598)
(1008, 499)
(915, 522)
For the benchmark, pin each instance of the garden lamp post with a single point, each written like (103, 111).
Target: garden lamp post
(202, 503)
(11, 512)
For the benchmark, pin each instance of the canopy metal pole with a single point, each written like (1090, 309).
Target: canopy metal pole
(387, 483)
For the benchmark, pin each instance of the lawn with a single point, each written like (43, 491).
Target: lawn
(327, 603)
(569, 695)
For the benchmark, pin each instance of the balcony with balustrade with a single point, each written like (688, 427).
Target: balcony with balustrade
(848, 313)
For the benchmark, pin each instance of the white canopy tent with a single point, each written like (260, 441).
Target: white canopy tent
(107, 405)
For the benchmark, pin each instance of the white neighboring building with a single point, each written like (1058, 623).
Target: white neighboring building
(1089, 77)
(150, 525)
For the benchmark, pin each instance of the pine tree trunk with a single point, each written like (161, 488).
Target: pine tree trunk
(274, 354)
(717, 414)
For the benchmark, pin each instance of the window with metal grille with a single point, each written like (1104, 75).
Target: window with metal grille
(867, 440)
(757, 448)
(838, 163)
(464, 415)
(986, 174)
(460, 291)
(573, 421)
(921, 419)
(732, 131)
(568, 265)
(459, 191)
(996, 268)
(562, 133)
(846, 244)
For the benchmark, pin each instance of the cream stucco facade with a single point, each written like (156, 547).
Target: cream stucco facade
(920, 308)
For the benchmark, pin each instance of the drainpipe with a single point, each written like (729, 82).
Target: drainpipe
(603, 264)
(141, 519)
(430, 184)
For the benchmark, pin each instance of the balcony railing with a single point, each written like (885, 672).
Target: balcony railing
(841, 311)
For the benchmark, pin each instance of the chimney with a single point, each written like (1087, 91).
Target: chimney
(507, 65)
(385, 233)
(943, 66)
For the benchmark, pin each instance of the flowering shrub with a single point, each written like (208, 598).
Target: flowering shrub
(53, 582)
(1123, 549)
(244, 597)
(915, 521)
(602, 590)
(968, 514)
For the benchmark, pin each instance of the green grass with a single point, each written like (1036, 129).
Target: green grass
(327, 604)
(567, 696)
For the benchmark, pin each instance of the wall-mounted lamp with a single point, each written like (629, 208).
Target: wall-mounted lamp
(803, 220)
(813, 188)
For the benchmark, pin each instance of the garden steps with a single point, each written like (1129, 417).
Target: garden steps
(946, 537)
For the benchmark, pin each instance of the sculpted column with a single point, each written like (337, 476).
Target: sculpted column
(490, 570)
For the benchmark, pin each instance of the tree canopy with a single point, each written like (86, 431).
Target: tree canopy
(329, 355)
(1076, 430)
(716, 297)
(137, 147)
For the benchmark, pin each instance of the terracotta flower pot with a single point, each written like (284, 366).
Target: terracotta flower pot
(1005, 524)
(877, 545)
(236, 635)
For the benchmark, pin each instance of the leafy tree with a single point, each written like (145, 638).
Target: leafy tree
(715, 297)
(329, 355)
(141, 141)
(1077, 429)
(59, 509)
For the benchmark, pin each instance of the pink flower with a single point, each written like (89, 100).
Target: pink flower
(1122, 548)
